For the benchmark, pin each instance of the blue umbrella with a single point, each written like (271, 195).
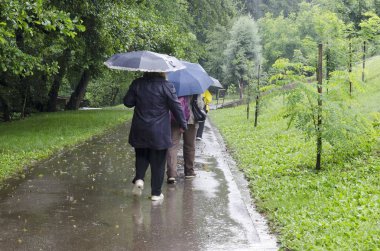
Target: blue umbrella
(216, 83)
(191, 80)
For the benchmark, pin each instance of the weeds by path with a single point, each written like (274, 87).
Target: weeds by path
(337, 208)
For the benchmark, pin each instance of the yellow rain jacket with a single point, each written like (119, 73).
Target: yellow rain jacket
(207, 98)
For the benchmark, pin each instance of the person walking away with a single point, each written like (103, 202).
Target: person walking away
(150, 134)
(188, 141)
(207, 98)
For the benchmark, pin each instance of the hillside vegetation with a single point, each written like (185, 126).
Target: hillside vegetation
(337, 208)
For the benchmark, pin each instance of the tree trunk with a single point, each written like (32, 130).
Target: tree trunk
(80, 90)
(24, 104)
(115, 92)
(53, 95)
(241, 89)
(5, 110)
(54, 89)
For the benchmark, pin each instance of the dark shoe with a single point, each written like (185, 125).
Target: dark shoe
(171, 180)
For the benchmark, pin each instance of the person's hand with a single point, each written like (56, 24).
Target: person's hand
(181, 130)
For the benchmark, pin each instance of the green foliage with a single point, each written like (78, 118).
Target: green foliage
(243, 53)
(59, 46)
(215, 47)
(23, 25)
(207, 14)
(346, 131)
(151, 27)
(370, 28)
(280, 38)
(296, 36)
(45, 134)
(259, 8)
(110, 89)
(335, 209)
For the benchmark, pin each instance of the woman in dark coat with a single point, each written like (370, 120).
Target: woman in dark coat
(150, 134)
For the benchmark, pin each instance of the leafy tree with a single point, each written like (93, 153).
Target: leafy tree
(280, 38)
(376, 4)
(259, 8)
(318, 26)
(145, 26)
(369, 31)
(32, 37)
(215, 47)
(114, 26)
(243, 53)
(109, 89)
(207, 14)
(343, 131)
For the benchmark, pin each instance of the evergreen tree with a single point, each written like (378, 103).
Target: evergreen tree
(243, 53)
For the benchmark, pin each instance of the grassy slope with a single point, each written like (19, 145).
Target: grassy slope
(370, 99)
(336, 209)
(43, 134)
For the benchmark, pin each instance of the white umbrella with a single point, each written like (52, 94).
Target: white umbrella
(145, 61)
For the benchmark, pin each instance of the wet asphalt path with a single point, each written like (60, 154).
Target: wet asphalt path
(81, 200)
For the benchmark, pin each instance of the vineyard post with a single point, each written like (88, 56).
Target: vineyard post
(364, 58)
(328, 66)
(248, 99)
(257, 96)
(319, 108)
(350, 64)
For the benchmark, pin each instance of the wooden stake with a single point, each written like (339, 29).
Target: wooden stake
(319, 111)
(257, 96)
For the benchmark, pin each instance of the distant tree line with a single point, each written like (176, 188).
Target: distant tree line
(52, 49)
(292, 29)
(57, 48)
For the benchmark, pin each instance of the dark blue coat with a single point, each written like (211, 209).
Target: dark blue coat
(152, 98)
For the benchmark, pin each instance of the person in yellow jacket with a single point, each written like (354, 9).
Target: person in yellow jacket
(207, 98)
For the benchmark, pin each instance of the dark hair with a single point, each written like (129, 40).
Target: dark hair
(154, 74)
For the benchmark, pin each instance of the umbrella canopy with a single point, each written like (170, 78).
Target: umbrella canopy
(145, 61)
(191, 80)
(216, 83)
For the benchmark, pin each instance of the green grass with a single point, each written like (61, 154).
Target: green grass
(335, 209)
(369, 100)
(37, 137)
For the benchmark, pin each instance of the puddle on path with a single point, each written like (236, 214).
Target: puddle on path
(81, 200)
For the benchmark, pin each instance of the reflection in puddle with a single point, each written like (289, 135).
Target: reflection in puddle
(207, 183)
(82, 200)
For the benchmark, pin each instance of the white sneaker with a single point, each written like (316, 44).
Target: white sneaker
(171, 180)
(157, 197)
(138, 187)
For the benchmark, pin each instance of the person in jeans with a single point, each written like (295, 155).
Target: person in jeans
(188, 141)
(153, 97)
